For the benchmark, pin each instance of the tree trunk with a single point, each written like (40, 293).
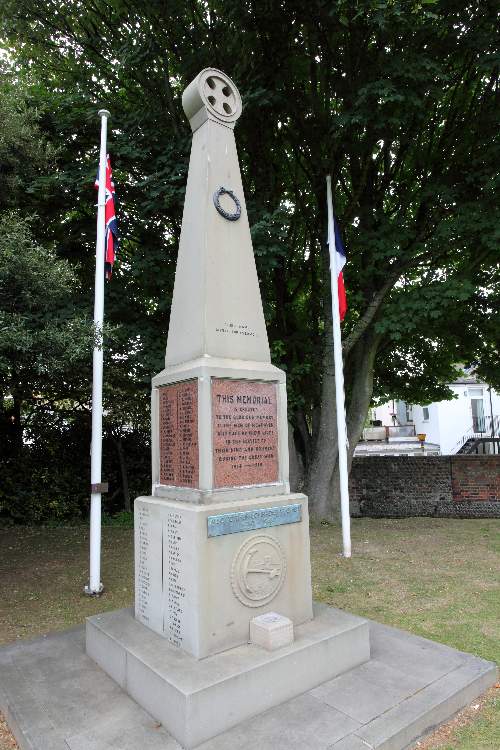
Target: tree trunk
(123, 473)
(325, 452)
(363, 357)
(16, 430)
(359, 355)
(296, 466)
(363, 363)
(305, 440)
(4, 428)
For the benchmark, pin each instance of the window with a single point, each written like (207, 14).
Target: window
(409, 413)
(425, 413)
(477, 409)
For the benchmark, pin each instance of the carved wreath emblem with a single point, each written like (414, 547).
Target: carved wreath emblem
(258, 570)
(229, 216)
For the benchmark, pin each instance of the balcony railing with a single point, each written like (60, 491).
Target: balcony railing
(402, 430)
(481, 424)
(389, 431)
(482, 427)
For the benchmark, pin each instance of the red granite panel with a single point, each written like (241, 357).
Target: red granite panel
(244, 432)
(179, 457)
(168, 433)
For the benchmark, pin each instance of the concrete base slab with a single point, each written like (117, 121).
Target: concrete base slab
(55, 697)
(199, 699)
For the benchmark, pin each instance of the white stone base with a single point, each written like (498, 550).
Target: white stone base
(199, 591)
(198, 699)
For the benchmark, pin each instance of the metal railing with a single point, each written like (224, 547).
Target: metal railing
(482, 427)
(401, 430)
(481, 446)
(384, 432)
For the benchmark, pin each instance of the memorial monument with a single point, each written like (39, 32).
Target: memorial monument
(224, 630)
(223, 626)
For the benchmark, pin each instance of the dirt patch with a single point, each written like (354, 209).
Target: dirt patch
(7, 741)
(446, 735)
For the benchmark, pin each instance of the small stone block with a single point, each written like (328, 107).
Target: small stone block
(271, 631)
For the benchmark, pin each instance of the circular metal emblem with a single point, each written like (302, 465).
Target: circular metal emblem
(229, 216)
(258, 570)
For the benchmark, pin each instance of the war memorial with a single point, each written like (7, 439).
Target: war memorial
(224, 647)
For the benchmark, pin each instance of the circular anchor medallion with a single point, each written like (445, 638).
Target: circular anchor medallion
(258, 571)
(229, 216)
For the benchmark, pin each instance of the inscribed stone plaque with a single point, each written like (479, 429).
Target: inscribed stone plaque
(244, 432)
(248, 520)
(179, 460)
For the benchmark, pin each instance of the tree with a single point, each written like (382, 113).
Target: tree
(40, 338)
(398, 100)
(24, 151)
(42, 343)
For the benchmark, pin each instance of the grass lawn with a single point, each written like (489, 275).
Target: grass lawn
(438, 578)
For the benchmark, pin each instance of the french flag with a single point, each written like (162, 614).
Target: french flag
(340, 263)
(111, 234)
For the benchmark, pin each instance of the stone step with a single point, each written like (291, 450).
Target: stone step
(55, 697)
(199, 699)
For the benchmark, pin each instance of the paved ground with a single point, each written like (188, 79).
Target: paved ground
(56, 698)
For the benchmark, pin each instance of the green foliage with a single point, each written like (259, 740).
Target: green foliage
(24, 151)
(48, 480)
(34, 288)
(123, 519)
(397, 100)
(41, 340)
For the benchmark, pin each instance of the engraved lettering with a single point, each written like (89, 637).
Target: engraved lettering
(178, 422)
(233, 523)
(245, 433)
(143, 577)
(174, 590)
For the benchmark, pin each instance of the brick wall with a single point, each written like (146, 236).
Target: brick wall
(396, 486)
(475, 478)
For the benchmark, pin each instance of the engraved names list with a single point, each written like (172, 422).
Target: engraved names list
(148, 565)
(143, 570)
(174, 591)
(178, 421)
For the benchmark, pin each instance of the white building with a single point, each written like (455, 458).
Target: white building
(473, 415)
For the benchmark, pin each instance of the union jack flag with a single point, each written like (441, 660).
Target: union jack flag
(111, 234)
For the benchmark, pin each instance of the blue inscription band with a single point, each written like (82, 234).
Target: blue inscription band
(248, 520)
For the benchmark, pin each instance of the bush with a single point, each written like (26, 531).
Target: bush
(48, 481)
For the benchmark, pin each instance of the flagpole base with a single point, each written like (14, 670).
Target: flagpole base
(89, 592)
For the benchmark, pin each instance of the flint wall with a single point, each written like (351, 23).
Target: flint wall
(441, 486)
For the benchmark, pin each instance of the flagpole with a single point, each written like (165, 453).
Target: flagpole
(339, 380)
(95, 586)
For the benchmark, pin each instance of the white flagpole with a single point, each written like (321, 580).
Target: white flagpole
(95, 586)
(339, 380)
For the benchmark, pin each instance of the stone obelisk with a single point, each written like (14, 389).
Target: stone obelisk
(223, 624)
(221, 539)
